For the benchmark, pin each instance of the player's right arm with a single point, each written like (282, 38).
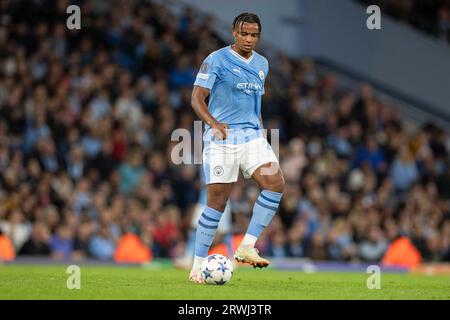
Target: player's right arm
(204, 82)
(199, 95)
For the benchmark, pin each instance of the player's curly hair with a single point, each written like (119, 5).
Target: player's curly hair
(246, 17)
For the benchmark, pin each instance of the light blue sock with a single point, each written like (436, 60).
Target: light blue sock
(206, 229)
(263, 211)
(190, 245)
(228, 239)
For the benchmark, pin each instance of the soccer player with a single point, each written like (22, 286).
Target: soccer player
(233, 78)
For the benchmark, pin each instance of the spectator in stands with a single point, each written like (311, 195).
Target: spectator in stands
(102, 244)
(16, 228)
(404, 170)
(373, 248)
(61, 244)
(39, 241)
(131, 172)
(370, 154)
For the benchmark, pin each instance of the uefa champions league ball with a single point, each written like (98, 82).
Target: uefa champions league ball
(217, 269)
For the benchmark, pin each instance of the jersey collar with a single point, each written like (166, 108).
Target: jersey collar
(247, 61)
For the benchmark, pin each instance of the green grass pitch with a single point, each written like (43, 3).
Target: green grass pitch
(127, 282)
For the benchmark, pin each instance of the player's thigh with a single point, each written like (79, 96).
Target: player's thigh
(260, 157)
(269, 177)
(220, 163)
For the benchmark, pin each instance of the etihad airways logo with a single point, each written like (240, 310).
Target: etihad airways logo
(249, 87)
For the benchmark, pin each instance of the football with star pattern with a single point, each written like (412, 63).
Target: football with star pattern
(217, 269)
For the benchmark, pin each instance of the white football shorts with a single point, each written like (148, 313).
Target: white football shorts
(222, 162)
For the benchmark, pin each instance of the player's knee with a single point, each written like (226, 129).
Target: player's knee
(274, 183)
(217, 200)
(279, 184)
(217, 205)
(282, 184)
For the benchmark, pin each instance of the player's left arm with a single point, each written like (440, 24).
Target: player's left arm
(260, 113)
(262, 126)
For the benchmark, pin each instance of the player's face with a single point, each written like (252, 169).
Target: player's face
(246, 36)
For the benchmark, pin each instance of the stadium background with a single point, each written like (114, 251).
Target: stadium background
(86, 118)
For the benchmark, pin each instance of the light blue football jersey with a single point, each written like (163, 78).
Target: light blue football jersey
(236, 85)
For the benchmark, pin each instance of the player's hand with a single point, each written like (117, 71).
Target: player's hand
(220, 130)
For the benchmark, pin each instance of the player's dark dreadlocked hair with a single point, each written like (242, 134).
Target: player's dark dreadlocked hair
(246, 17)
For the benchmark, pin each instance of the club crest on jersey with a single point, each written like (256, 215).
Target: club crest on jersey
(261, 74)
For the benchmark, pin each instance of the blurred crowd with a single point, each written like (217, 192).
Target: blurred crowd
(431, 16)
(86, 118)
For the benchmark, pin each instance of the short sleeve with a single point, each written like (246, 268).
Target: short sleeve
(208, 73)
